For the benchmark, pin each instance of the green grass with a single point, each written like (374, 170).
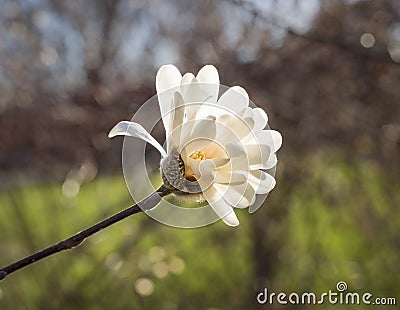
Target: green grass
(341, 222)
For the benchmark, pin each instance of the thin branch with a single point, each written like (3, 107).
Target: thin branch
(73, 241)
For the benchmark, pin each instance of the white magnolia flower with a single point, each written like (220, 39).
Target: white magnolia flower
(218, 149)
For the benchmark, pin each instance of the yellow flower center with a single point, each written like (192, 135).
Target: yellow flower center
(200, 155)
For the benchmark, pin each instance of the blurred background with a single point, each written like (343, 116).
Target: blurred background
(327, 73)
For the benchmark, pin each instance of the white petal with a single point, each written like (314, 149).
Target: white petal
(202, 133)
(261, 181)
(231, 219)
(174, 138)
(235, 150)
(204, 128)
(202, 88)
(277, 139)
(132, 129)
(214, 166)
(232, 124)
(257, 154)
(235, 99)
(168, 76)
(229, 177)
(191, 89)
(272, 138)
(221, 207)
(208, 74)
(260, 119)
(188, 78)
(239, 163)
(179, 111)
(214, 150)
(194, 165)
(209, 82)
(199, 90)
(266, 138)
(218, 162)
(207, 174)
(205, 170)
(268, 164)
(209, 166)
(237, 159)
(271, 162)
(239, 196)
(167, 80)
(257, 204)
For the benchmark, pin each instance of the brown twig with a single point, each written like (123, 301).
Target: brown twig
(73, 241)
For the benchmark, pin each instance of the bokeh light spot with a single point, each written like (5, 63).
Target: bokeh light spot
(144, 286)
(160, 270)
(48, 55)
(156, 254)
(176, 265)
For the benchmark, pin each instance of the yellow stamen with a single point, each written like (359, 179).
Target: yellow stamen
(198, 155)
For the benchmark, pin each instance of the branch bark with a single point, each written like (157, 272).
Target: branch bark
(147, 203)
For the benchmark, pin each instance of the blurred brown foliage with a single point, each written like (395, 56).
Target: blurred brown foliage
(64, 80)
